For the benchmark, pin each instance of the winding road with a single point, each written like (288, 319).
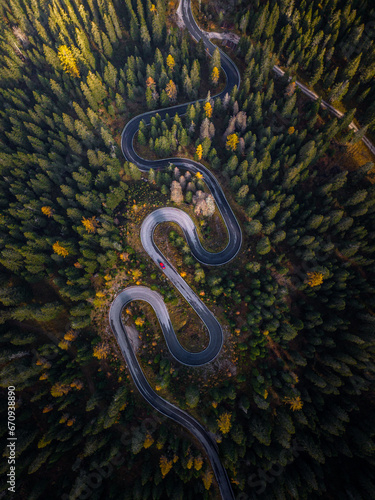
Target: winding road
(213, 259)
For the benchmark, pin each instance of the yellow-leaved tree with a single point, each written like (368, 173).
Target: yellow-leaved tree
(137, 273)
(198, 462)
(60, 250)
(70, 335)
(295, 403)
(101, 351)
(47, 211)
(224, 422)
(199, 151)
(44, 441)
(68, 61)
(59, 389)
(77, 384)
(207, 479)
(170, 62)
(232, 142)
(64, 344)
(149, 441)
(90, 224)
(215, 76)
(165, 465)
(314, 279)
(208, 109)
(139, 321)
(64, 418)
(171, 90)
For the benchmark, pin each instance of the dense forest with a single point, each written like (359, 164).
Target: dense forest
(328, 45)
(290, 399)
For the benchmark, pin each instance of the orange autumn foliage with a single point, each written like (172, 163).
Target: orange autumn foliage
(314, 279)
(47, 211)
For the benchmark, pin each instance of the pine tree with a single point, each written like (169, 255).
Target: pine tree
(110, 28)
(215, 60)
(338, 91)
(195, 74)
(145, 37)
(84, 45)
(157, 29)
(359, 134)
(110, 76)
(57, 90)
(107, 46)
(96, 87)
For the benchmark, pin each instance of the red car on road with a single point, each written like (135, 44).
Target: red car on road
(162, 265)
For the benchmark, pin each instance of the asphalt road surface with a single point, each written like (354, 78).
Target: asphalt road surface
(213, 259)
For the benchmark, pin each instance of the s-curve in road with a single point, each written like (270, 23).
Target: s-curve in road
(168, 409)
(212, 259)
